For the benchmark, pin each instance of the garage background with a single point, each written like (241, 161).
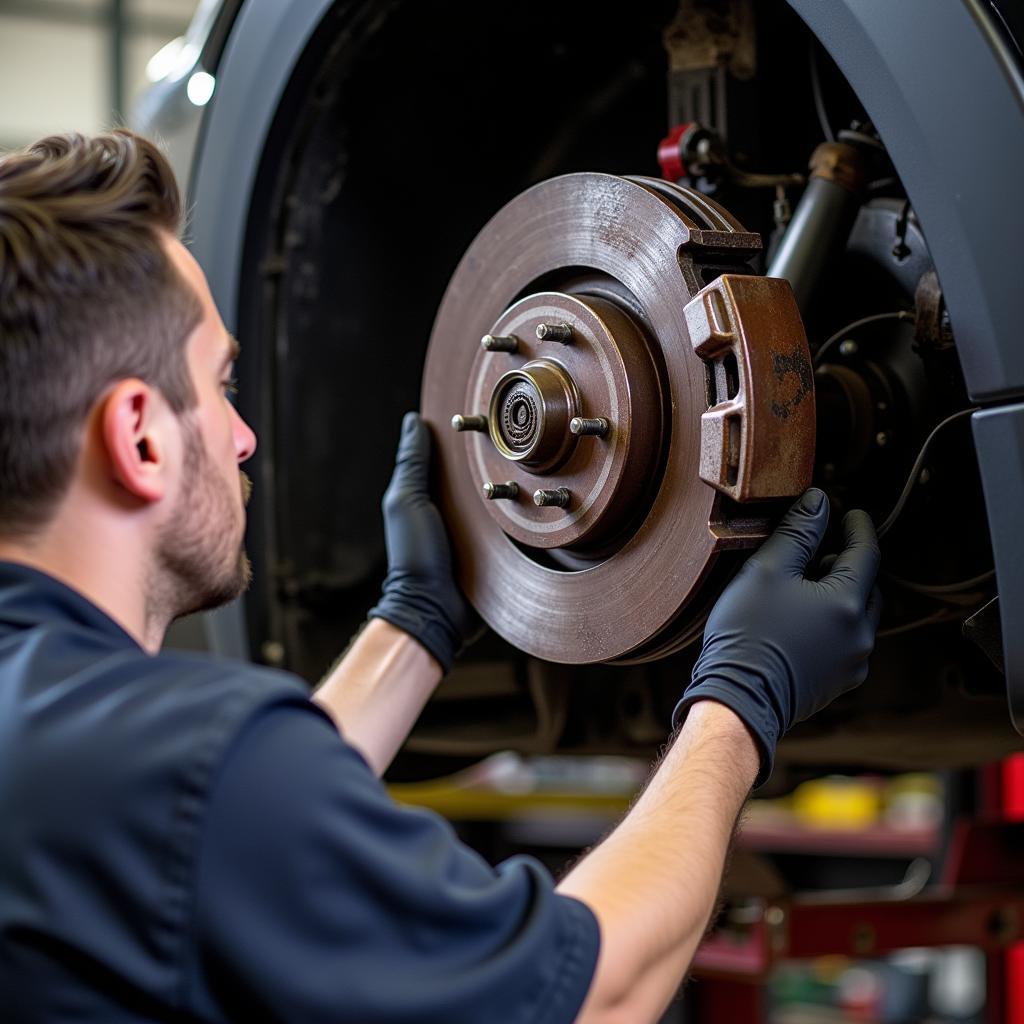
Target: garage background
(80, 64)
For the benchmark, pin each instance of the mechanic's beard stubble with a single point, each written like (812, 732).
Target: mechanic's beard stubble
(199, 563)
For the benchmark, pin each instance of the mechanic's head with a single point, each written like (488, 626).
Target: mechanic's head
(115, 369)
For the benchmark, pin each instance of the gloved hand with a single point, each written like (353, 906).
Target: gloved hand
(419, 594)
(777, 646)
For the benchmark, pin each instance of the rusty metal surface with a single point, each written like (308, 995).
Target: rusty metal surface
(622, 571)
(932, 330)
(839, 162)
(710, 34)
(757, 440)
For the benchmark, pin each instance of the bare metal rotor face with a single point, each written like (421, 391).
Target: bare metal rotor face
(582, 527)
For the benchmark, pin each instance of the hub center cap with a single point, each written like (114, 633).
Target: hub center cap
(519, 418)
(530, 412)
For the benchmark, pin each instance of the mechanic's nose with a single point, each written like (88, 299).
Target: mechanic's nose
(245, 437)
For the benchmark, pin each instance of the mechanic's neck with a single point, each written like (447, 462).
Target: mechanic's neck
(103, 558)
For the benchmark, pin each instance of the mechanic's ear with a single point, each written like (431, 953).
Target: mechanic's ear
(132, 416)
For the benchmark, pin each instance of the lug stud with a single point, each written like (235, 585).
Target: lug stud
(461, 423)
(499, 343)
(557, 498)
(595, 427)
(554, 332)
(507, 491)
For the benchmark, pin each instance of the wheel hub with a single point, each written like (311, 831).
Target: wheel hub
(602, 371)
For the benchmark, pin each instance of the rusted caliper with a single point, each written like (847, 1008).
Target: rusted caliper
(628, 401)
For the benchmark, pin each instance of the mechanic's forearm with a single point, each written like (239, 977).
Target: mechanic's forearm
(377, 691)
(653, 883)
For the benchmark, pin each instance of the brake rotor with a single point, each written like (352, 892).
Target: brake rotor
(618, 423)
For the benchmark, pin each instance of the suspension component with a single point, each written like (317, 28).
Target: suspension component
(822, 219)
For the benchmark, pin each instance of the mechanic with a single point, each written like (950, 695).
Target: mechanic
(187, 837)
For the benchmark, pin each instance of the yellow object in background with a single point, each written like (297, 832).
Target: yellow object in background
(838, 802)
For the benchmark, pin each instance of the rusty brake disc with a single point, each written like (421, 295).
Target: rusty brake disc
(619, 423)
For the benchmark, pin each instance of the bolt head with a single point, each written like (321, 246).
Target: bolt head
(552, 498)
(508, 491)
(592, 426)
(554, 332)
(496, 343)
(461, 423)
(848, 348)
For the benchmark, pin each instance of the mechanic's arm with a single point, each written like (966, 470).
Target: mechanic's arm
(777, 647)
(653, 883)
(378, 689)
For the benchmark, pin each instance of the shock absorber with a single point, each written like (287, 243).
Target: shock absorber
(822, 220)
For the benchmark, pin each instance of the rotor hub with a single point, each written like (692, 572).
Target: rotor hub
(602, 371)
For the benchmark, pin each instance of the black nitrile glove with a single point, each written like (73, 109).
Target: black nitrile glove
(419, 594)
(777, 646)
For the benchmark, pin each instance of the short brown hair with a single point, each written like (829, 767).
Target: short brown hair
(88, 296)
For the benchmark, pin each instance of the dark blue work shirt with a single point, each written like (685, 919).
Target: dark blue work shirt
(183, 838)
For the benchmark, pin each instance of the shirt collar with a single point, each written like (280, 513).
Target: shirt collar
(29, 598)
